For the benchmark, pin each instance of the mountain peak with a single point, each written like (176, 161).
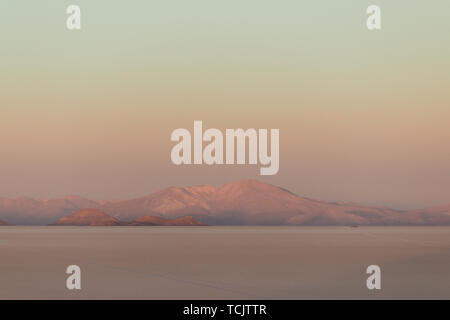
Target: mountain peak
(249, 185)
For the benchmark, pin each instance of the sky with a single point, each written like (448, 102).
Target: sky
(364, 116)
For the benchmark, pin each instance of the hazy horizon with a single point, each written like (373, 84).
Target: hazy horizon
(198, 185)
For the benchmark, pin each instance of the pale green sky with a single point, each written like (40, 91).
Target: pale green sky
(363, 116)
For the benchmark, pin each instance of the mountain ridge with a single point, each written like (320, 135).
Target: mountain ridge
(242, 202)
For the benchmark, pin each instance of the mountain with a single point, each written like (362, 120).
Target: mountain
(158, 221)
(3, 223)
(245, 202)
(24, 210)
(88, 217)
(434, 215)
(252, 202)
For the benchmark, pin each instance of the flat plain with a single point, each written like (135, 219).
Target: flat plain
(224, 262)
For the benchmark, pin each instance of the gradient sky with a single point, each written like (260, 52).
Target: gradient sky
(363, 116)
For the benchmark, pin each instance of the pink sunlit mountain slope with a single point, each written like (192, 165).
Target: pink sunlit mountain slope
(253, 202)
(245, 202)
(158, 221)
(25, 210)
(88, 217)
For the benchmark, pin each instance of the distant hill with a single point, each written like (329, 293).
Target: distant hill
(88, 217)
(245, 202)
(24, 210)
(3, 223)
(96, 217)
(158, 221)
(433, 216)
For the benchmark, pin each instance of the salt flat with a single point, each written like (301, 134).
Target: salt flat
(225, 262)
